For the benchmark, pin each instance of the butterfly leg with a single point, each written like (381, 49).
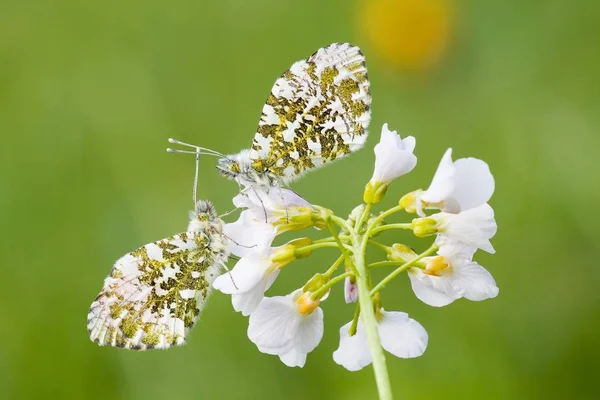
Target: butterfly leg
(287, 216)
(261, 202)
(229, 273)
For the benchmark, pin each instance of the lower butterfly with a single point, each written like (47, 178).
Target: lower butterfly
(153, 296)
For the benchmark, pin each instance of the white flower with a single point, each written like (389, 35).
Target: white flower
(285, 327)
(247, 282)
(400, 335)
(452, 275)
(393, 156)
(247, 234)
(350, 290)
(458, 186)
(474, 227)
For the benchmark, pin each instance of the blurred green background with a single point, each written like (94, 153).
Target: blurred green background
(90, 92)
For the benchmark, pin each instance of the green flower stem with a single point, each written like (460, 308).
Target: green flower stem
(354, 325)
(343, 238)
(369, 320)
(342, 247)
(334, 267)
(317, 294)
(385, 264)
(380, 246)
(342, 224)
(400, 269)
(375, 231)
(363, 217)
(386, 214)
(314, 246)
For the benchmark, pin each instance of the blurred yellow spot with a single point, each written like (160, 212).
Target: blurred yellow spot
(411, 34)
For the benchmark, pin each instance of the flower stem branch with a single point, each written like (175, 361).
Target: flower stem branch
(383, 247)
(317, 294)
(335, 266)
(400, 269)
(354, 325)
(343, 238)
(390, 226)
(343, 249)
(363, 217)
(315, 246)
(385, 264)
(386, 214)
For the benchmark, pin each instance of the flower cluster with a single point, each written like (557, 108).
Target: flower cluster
(454, 210)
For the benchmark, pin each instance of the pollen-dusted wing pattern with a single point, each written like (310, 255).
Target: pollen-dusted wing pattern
(318, 111)
(154, 295)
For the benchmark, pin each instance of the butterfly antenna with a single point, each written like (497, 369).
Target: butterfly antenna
(197, 149)
(195, 190)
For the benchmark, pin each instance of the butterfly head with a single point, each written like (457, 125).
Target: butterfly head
(203, 216)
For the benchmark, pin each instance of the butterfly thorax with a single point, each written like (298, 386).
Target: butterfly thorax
(242, 169)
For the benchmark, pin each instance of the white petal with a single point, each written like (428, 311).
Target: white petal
(247, 273)
(442, 183)
(353, 351)
(247, 234)
(402, 336)
(393, 156)
(473, 184)
(473, 227)
(434, 291)
(274, 324)
(310, 331)
(453, 250)
(475, 282)
(293, 358)
(247, 302)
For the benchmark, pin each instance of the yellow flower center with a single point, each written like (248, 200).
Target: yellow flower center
(437, 266)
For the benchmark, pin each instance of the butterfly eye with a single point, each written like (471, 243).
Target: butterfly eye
(235, 167)
(203, 217)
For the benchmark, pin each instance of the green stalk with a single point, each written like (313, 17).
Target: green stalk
(370, 323)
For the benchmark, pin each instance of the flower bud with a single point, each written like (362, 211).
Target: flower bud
(315, 283)
(401, 253)
(424, 226)
(408, 202)
(374, 192)
(283, 255)
(320, 216)
(355, 215)
(293, 219)
(350, 290)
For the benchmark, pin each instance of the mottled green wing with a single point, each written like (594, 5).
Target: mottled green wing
(154, 295)
(318, 111)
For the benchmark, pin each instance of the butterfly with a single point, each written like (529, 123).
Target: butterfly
(318, 111)
(153, 295)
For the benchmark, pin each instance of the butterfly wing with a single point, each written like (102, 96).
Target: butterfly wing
(318, 111)
(154, 295)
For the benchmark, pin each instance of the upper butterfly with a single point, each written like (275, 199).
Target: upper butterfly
(318, 111)
(154, 295)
